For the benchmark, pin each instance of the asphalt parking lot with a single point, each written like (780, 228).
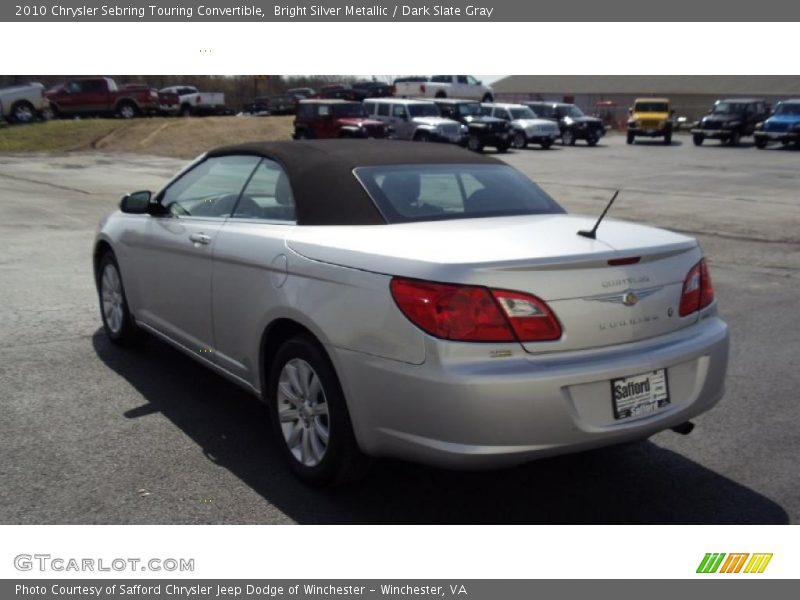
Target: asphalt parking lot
(90, 433)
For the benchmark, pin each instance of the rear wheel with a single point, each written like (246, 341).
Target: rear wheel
(127, 110)
(310, 416)
(474, 143)
(519, 141)
(698, 139)
(592, 139)
(545, 144)
(502, 148)
(735, 138)
(631, 138)
(23, 112)
(118, 323)
(668, 138)
(302, 134)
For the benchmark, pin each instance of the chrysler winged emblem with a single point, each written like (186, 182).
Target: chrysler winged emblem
(629, 298)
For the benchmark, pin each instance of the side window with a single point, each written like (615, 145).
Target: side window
(383, 109)
(268, 195)
(94, 86)
(369, 107)
(471, 80)
(398, 110)
(462, 79)
(211, 188)
(323, 110)
(486, 111)
(74, 87)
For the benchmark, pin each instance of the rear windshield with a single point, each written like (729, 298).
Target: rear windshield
(409, 193)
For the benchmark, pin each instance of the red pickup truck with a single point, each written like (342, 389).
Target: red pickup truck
(102, 96)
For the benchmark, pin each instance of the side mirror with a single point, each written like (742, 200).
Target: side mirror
(136, 203)
(480, 82)
(630, 111)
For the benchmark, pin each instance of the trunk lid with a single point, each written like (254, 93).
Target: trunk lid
(541, 255)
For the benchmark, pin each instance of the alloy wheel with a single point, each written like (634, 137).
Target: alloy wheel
(113, 301)
(303, 412)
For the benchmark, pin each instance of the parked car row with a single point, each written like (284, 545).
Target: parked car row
(468, 123)
(23, 103)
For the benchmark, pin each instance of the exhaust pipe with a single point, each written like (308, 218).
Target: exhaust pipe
(684, 428)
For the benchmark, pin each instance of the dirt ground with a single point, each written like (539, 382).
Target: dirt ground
(174, 137)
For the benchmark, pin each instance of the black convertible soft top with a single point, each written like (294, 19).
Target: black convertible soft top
(321, 172)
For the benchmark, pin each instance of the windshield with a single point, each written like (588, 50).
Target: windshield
(661, 107)
(349, 110)
(410, 193)
(728, 108)
(788, 108)
(423, 110)
(522, 113)
(469, 109)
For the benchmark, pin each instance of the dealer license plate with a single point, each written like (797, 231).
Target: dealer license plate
(639, 395)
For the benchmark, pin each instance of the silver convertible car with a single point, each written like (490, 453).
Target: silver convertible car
(416, 301)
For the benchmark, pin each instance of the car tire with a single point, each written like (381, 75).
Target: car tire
(127, 110)
(668, 138)
(568, 138)
(761, 143)
(118, 323)
(631, 138)
(546, 144)
(422, 136)
(735, 138)
(22, 112)
(302, 134)
(698, 139)
(310, 417)
(519, 141)
(502, 148)
(592, 139)
(474, 143)
(186, 111)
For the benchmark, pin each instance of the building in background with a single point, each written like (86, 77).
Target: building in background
(609, 96)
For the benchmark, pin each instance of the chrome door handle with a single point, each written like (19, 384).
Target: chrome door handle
(200, 238)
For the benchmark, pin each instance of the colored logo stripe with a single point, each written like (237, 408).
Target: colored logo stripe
(733, 564)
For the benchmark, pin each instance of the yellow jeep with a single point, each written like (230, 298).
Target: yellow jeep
(650, 117)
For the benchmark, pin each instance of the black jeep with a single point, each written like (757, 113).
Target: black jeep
(574, 125)
(730, 120)
(481, 131)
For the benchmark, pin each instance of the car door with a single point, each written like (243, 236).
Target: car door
(71, 97)
(173, 257)
(399, 120)
(251, 265)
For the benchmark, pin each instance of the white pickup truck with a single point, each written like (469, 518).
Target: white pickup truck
(24, 103)
(194, 102)
(445, 86)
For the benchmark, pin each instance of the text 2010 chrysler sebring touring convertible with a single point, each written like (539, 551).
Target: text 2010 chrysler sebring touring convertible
(415, 301)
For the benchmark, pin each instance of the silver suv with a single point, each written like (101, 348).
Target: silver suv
(417, 120)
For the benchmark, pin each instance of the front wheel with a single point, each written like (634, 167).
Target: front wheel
(698, 139)
(592, 139)
(118, 323)
(310, 416)
(568, 138)
(474, 143)
(735, 138)
(631, 138)
(422, 136)
(545, 144)
(519, 141)
(761, 143)
(487, 98)
(668, 138)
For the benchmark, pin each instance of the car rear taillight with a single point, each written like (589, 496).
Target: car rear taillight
(698, 292)
(468, 313)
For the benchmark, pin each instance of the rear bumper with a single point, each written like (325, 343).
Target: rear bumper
(494, 412)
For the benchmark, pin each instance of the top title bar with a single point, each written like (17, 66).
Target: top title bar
(411, 10)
